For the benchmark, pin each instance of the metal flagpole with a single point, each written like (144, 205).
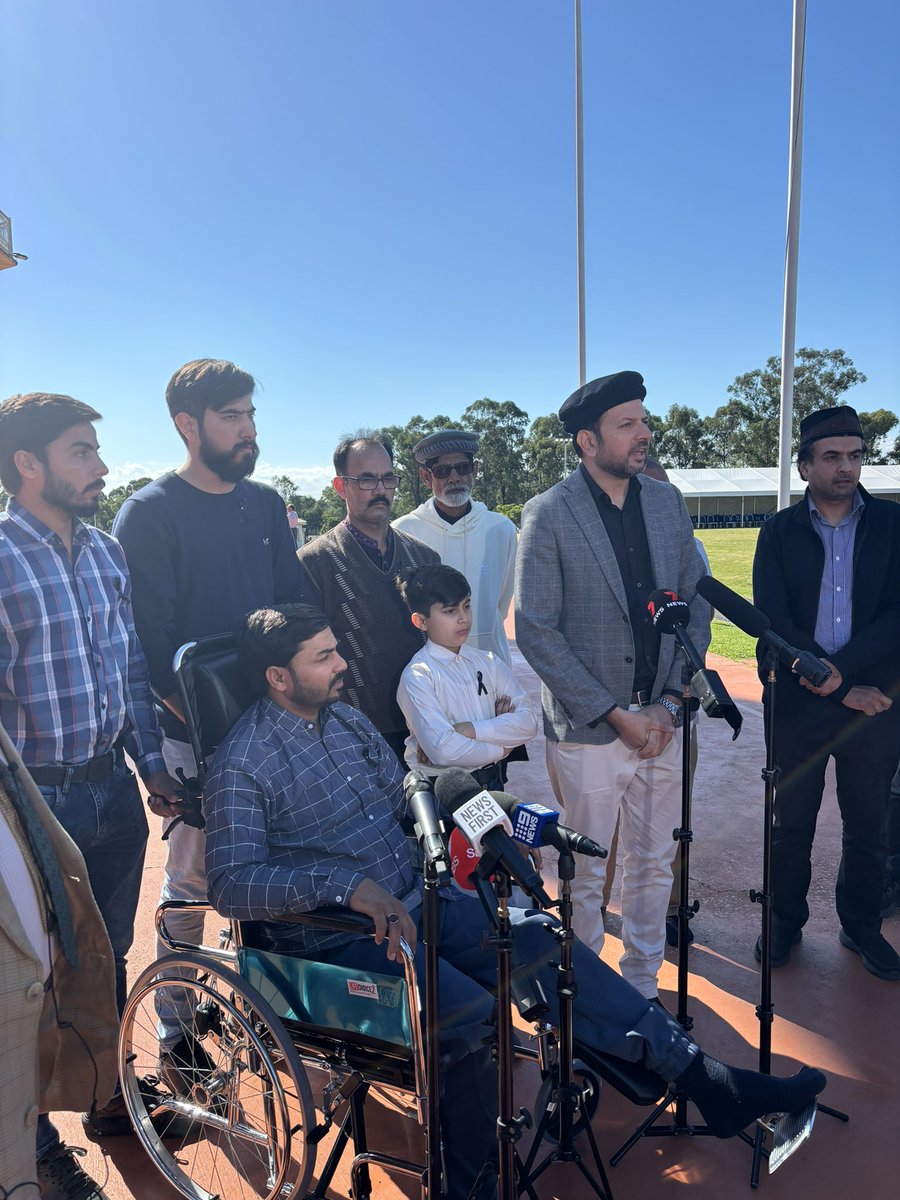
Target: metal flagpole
(579, 190)
(792, 244)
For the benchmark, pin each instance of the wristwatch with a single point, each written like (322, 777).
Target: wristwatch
(674, 710)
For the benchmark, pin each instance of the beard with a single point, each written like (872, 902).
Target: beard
(62, 495)
(457, 497)
(231, 466)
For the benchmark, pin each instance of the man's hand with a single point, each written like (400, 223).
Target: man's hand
(831, 684)
(502, 705)
(648, 731)
(389, 915)
(868, 700)
(422, 758)
(165, 794)
(466, 728)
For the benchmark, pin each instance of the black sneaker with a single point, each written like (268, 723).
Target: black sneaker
(113, 1120)
(877, 954)
(61, 1178)
(672, 932)
(184, 1066)
(890, 900)
(782, 943)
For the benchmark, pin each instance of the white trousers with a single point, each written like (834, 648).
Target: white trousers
(596, 786)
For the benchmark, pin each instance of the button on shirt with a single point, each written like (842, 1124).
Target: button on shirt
(73, 677)
(297, 815)
(834, 618)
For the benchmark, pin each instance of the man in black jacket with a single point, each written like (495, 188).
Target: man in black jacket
(827, 574)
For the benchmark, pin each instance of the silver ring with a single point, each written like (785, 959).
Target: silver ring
(392, 919)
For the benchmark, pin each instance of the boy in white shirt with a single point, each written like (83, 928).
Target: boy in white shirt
(464, 707)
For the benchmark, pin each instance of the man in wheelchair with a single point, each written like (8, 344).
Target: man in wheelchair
(303, 808)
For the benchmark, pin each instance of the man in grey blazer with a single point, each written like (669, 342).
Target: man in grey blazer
(593, 548)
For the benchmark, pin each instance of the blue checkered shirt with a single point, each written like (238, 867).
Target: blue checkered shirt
(73, 677)
(298, 815)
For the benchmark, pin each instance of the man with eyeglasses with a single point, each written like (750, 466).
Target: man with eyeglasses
(354, 567)
(465, 533)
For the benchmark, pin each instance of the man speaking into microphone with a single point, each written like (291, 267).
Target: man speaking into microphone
(593, 550)
(827, 575)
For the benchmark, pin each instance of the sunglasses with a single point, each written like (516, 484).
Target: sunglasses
(442, 471)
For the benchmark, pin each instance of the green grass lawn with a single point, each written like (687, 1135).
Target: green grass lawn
(731, 561)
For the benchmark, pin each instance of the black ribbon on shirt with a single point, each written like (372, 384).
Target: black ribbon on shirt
(482, 690)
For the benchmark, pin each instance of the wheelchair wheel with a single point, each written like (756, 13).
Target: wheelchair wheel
(589, 1082)
(231, 1117)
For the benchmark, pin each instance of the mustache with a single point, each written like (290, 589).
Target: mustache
(379, 500)
(246, 446)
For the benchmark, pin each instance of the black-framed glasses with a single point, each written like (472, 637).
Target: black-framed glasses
(442, 470)
(368, 483)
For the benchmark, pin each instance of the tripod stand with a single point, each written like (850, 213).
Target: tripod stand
(571, 1101)
(765, 1010)
(680, 1125)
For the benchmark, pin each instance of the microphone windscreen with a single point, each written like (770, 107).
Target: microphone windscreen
(454, 787)
(668, 611)
(463, 861)
(738, 610)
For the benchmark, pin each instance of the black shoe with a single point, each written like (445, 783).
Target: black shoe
(61, 1178)
(113, 1120)
(890, 901)
(672, 932)
(184, 1065)
(780, 945)
(877, 954)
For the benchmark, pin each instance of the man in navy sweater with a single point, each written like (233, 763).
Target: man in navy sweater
(205, 546)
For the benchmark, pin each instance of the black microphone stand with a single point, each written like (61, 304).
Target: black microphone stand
(765, 1010)
(680, 1125)
(430, 942)
(569, 1096)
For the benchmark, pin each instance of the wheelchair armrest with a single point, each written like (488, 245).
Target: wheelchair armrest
(335, 918)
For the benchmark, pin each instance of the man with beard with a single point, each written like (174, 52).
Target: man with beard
(205, 545)
(478, 543)
(74, 691)
(355, 566)
(593, 549)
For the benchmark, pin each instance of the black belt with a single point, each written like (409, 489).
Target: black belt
(60, 775)
(642, 697)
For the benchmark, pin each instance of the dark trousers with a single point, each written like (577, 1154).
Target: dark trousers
(809, 731)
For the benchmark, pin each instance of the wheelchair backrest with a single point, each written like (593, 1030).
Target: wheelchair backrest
(213, 692)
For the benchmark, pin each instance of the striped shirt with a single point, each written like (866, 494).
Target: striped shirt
(834, 617)
(73, 677)
(297, 815)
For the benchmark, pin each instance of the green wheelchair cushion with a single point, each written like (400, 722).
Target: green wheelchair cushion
(330, 997)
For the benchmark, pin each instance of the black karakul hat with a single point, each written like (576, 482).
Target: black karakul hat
(829, 422)
(445, 441)
(592, 400)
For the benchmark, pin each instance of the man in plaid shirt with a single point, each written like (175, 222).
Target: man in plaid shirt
(74, 692)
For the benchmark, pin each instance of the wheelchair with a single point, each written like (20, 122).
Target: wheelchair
(237, 1118)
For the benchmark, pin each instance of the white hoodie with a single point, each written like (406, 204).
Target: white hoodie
(482, 545)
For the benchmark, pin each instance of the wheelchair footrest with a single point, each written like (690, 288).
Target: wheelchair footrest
(636, 1082)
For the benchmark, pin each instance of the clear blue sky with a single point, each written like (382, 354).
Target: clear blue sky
(370, 204)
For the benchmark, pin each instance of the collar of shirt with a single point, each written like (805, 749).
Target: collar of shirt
(371, 547)
(32, 525)
(855, 508)
(442, 654)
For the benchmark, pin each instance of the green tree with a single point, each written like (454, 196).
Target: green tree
(513, 511)
(548, 452)
(331, 509)
(502, 428)
(876, 426)
(681, 438)
(285, 487)
(308, 510)
(111, 501)
(744, 431)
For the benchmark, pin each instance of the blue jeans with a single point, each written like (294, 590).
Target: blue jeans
(107, 823)
(610, 1015)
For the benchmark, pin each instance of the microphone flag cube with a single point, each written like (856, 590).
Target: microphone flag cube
(529, 821)
(478, 816)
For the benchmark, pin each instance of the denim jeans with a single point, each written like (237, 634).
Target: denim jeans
(107, 823)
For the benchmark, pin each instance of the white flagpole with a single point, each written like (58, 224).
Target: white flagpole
(792, 245)
(579, 191)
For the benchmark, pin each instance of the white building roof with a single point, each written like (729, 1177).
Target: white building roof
(763, 481)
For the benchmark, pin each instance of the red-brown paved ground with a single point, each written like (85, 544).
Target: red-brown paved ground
(829, 1011)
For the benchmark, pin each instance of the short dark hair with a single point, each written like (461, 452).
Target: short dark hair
(31, 422)
(434, 583)
(358, 441)
(206, 383)
(270, 637)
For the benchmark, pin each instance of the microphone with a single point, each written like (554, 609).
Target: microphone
(420, 801)
(536, 825)
(463, 861)
(670, 614)
(755, 622)
(487, 827)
